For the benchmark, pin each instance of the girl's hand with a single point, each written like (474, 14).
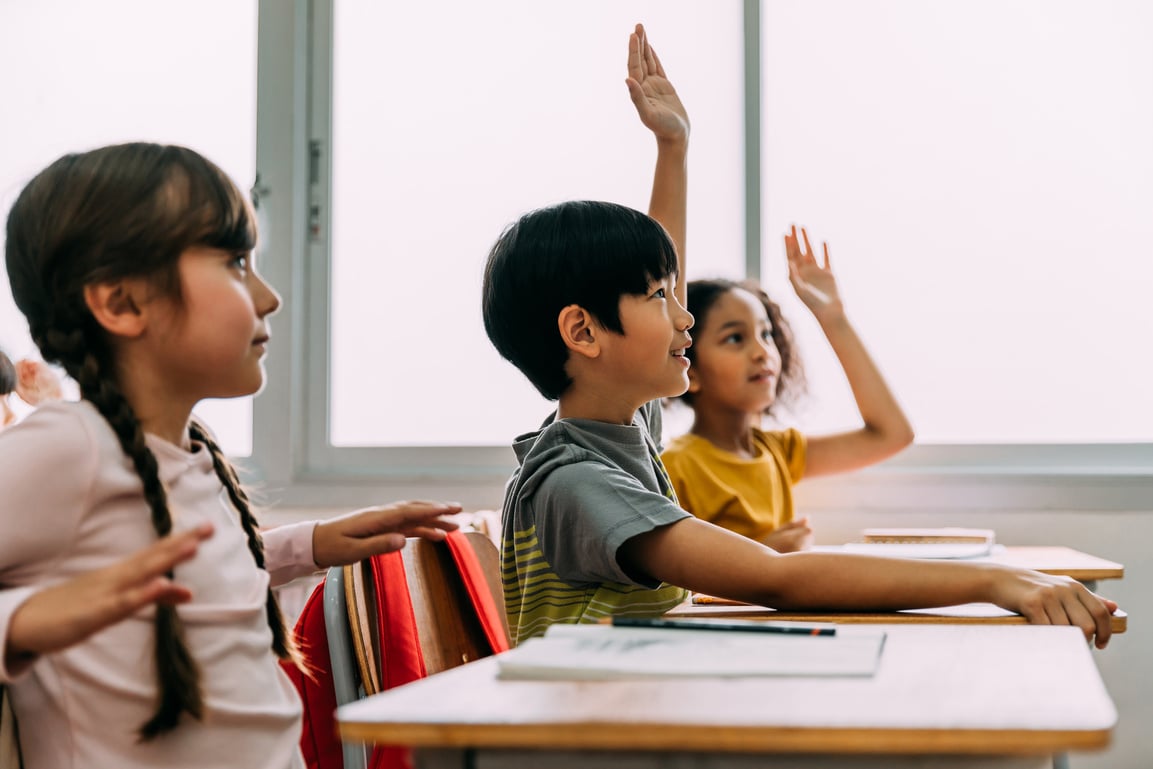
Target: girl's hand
(813, 282)
(656, 100)
(375, 530)
(790, 537)
(1044, 599)
(69, 612)
(37, 383)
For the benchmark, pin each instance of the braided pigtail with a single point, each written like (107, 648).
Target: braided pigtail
(283, 642)
(176, 669)
(120, 212)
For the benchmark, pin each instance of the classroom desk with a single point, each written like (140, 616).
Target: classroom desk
(964, 614)
(1062, 561)
(972, 696)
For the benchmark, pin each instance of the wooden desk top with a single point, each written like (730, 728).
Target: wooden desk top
(992, 690)
(1064, 561)
(964, 614)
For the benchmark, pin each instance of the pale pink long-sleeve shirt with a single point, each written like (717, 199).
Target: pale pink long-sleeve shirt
(70, 502)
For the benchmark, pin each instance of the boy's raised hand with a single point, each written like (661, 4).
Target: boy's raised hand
(365, 533)
(69, 612)
(813, 281)
(656, 100)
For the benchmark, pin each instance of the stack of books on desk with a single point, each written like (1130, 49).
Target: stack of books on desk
(667, 648)
(946, 542)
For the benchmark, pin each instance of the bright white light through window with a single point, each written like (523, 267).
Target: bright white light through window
(983, 172)
(118, 71)
(447, 127)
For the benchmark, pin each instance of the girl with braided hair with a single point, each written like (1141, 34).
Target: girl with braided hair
(133, 265)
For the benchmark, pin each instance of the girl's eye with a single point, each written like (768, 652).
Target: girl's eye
(733, 338)
(767, 336)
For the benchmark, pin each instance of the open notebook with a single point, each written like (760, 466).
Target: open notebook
(602, 652)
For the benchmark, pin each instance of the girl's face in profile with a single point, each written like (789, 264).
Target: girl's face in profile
(737, 365)
(210, 342)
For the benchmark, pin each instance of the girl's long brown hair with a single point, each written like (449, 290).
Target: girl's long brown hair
(124, 211)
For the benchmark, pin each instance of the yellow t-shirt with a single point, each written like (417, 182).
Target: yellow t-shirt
(749, 496)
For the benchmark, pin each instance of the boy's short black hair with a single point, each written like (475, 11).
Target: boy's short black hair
(586, 253)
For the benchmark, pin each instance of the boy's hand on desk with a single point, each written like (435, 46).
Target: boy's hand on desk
(656, 100)
(376, 530)
(1044, 599)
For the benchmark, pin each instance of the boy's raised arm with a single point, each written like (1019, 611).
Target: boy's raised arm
(660, 109)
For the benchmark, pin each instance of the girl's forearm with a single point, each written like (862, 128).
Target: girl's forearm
(884, 419)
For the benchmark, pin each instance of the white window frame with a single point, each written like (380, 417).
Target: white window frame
(295, 465)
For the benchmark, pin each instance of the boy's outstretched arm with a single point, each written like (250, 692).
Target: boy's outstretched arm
(660, 109)
(886, 430)
(699, 556)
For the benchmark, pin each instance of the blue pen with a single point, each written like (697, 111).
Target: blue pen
(705, 624)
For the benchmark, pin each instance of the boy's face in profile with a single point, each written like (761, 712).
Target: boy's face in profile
(648, 361)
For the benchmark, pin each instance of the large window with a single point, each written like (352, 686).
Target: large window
(81, 75)
(448, 126)
(983, 172)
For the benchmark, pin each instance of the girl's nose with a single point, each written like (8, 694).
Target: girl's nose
(264, 296)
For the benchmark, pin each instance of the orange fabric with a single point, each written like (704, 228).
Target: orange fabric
(472, 575)
(318, 740)
(401, 660)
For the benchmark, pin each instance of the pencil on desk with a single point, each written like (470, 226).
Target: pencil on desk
(738, 626)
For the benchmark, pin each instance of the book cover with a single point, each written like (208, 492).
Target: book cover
(605, 652)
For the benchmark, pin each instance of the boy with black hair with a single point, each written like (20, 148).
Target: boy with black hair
(587, 300)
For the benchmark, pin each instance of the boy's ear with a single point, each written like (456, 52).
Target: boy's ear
(117, 306)
(578, 331)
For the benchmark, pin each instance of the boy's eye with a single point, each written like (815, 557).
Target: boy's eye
(240, 262)
(659, 293)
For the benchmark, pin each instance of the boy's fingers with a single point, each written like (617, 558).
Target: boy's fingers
(808, 248)
(826, 247)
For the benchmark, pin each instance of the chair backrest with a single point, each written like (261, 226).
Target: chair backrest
(449, 629)
(341, 652)
(450, 632)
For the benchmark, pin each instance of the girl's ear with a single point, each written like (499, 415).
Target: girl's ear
(117, 306)
(578, 331)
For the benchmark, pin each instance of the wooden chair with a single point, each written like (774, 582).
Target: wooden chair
(450, 633)
(341, 651)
